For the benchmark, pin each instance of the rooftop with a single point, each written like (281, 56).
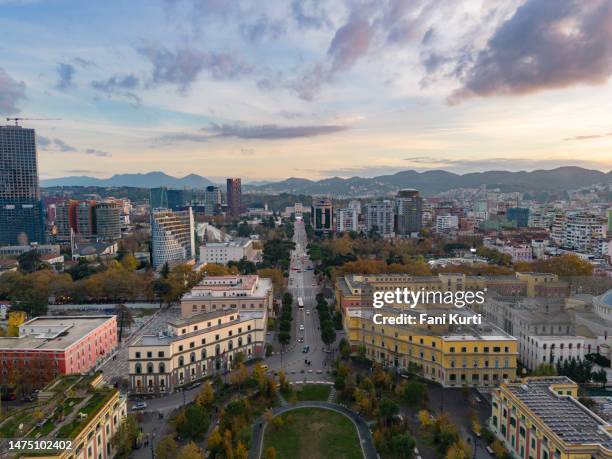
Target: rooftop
(53, 333)
(565, 416)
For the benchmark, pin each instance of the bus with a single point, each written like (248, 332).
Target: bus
(300, 302)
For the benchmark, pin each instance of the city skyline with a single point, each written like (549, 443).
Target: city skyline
(309, 89)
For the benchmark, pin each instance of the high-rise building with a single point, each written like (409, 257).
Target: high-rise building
(165, 198)
(520, 215)
(234, 196)
(172, 237)
(408, 211)
(21, 211)
(88, 220)
(212, 200)
(322, 216)
(379, 218)
(346, 220)
(108, 220)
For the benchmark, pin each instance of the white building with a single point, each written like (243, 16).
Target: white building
(538, 350)
(347, 219)
(446, 223)
(224, 252)
(380, 217)
(172, 237)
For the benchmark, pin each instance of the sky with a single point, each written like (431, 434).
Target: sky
(310, 88)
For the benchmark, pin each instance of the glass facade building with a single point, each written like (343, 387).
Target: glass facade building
(21, 211)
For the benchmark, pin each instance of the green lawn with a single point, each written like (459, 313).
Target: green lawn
(314, 433)
(313, 392)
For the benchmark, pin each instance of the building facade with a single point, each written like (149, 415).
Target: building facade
(224, 252)
(379, 218)
(322, 216)
(172, 237)
(408, 212)
(541, 418)
(63, 345)
(234, 196)
(21, 209)
(347, 219)
(212, 200)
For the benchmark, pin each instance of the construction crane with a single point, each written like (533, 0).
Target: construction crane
(16, 120)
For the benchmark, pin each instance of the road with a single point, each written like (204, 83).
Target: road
(302, 284)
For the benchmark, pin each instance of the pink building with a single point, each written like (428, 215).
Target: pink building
(62, 345)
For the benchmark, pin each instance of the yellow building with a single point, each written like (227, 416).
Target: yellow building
(91, 416)
(541, 418)
(452, 354)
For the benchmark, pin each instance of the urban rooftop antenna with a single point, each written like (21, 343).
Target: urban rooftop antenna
(16, 120)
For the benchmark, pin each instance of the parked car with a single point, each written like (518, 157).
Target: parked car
(301, 327)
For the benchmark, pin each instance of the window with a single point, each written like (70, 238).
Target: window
(149, 354)
(162, 367)
(138, 355)
(160, 354)
(138, 368)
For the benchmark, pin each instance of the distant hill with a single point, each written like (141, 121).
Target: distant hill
(428, 182)
(147, 180)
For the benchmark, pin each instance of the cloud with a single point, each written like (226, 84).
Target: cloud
(84, 63)
(11, 92)
(262, 29)
(546, 44)
(272, 131)
(65, 76)
(180, 137)
(588, 137)
(59, 146)
(183, 65)
(94, 152)
(121, 85)
(310, 14)
(242, 131)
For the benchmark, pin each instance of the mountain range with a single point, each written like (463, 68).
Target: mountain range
(428, 182)
(147, 180)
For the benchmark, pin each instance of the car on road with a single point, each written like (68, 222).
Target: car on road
(306, 349)
(308, 312)
(300, 339)
(139, 406)
(196, 384)
(301, 327)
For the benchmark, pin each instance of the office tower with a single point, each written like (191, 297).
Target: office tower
(85, 220)
(165, 198)
(379, 217)
(408, 211)
(322, 216)
(172, 237)
(212, 200)
(234, 196)
(346, 220)
(520, 215)
(21, 211)
(108, 220)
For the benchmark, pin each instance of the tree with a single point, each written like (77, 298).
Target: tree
(165, 271)
(30, 261)
(345, 348)
(414, 393)
(126, 436)
(458, 450)
(215, 442)
(498, 449)
(190, 451)
(124, 318)
(129, 262)
(166, 448)
(270, 453)
(402, 446)
(387, 409)
(206, 396)
(328, 335)
(192, 422)
(239, 376)
(424, 418)
(241, 451)
(545, 369)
